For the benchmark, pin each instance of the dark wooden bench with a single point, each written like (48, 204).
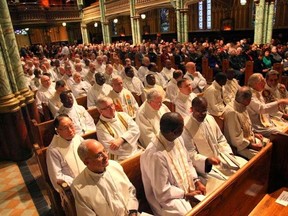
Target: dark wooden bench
(253, 186)
(82, 101)
(207, 72)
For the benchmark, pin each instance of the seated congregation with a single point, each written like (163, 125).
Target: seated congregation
(158, 141)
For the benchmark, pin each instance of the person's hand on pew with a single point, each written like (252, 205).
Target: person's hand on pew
(214, 160)
(199, 186)
(285, 116)
(259, 136)
(283, 101)
(191, 194)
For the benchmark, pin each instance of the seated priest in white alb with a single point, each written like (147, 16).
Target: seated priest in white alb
(82, 120)
(131, 82)
(151, 84)
(208, 146)
(172, 89)
(100, 88)
(79, 88)
(123, 99)
(102, 189)
(63, 162)
(238, 127)
(148, 116)
(169, 178)
(167, 71)
(184, 98)
(198, 81)
(117, 131)
(259, 110)
(231, 86)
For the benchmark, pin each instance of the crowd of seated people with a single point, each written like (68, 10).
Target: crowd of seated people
(187, 150)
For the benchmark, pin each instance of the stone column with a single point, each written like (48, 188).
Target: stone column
(84, 33)
(137, 34)
(132, 14)
(270, 22)
(178, 21)
(259, 16)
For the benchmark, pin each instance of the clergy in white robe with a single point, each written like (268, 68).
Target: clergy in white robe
(150, 84)
(82, 120)
(238, 127)
(117, 131)
(100, 88)
(132, 83)
(79, 88)
(90, 76)
(148, 116)
(184, 98)
(63, 162)
(168, 176)
(172, 89)
(198, 81)
(167, 71)
(123, 99)
(214, 95)
(231, 86)
(143, 69)
(102, 189)
(204, 140)
(45, 92)
(259, 111)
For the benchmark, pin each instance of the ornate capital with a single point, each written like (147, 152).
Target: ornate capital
(9, 104)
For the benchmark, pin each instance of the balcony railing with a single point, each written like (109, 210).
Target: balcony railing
(33, 13)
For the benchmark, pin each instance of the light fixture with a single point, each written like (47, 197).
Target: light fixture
(64, 24)
(95, 24)
(115, 20)
(243, 2)
(143, 16)
(26, 29)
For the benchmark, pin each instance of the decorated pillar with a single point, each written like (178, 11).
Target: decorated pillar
(270, 22)
(178, 21)
(14, 94)
(104, 23)
(265, 23)
(185, 24)
(84, 33)
(259, 19)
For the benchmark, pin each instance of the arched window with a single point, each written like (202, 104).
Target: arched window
(204, 15)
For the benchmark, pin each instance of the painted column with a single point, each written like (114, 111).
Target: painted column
(14, 140)
(178, 20)
(132, 14)
(104, 23)
(184, 24)
(84, 33)
(270, 22)
(137, 29)
(259, 19)
(265, 22)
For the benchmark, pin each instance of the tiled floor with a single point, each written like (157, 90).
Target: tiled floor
(22, 194)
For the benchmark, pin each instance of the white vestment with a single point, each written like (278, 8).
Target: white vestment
(238, 129)
(142, 72)
(214, 95)
(148, 121)
(183, 104)
(82, 120)
(172, 90)
(164, 168)
(205, 139)
(230, 89)
(259, 114)
(44, 94)
(167, 74)
(95, 92)
(107, 194)
(133, 85)
(63, 162)
(124, 102)
(110, 129)
(198, 82)
(80, 89)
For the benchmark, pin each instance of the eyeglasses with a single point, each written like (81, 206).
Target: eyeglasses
(101, 155)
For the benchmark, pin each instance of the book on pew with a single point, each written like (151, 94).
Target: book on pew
(216, 173)
(229, 161)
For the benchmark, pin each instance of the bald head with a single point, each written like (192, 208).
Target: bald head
(244, 95)
(171, 125)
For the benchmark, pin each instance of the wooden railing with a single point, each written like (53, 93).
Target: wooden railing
(29, 13)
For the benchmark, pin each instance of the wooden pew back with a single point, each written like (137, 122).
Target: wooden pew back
(207, 71)
(248, 71)
(131, 167)
(82, 101)
(241, 192)
(225, 65)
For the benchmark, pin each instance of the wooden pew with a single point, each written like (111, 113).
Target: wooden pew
(170, 105)
(248, 71)
(242, 191)
(283, 78)
(159, 63)
(254, 188)
(207, 71)
(137, 98)
(225, 65)
(82, 101)
(132, 169)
